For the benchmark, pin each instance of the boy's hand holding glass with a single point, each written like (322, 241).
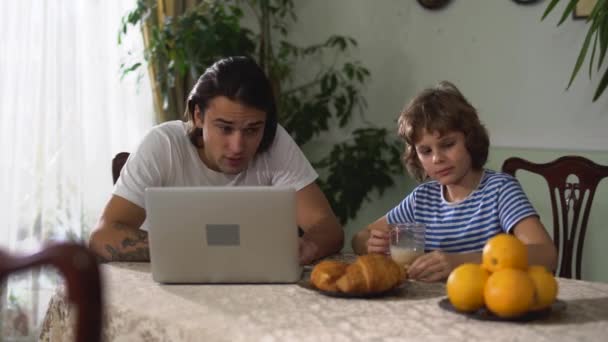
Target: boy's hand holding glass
(430, 267)
(378, 241)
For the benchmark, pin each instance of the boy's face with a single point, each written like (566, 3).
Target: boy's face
(232, 133)
(445, 158)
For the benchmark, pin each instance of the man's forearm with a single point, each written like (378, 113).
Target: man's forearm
(119, 242)
(327, 236)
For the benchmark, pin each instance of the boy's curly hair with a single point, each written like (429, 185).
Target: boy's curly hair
(441, 109)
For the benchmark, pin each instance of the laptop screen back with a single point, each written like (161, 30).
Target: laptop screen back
(223, 234)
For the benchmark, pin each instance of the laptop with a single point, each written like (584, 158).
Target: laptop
(223, 234)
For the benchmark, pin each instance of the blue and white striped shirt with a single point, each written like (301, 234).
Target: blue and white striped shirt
(496, 206)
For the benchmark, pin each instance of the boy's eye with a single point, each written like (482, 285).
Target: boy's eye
(424, 151)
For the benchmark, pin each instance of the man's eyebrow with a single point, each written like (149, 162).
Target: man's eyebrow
(223, 121)
(256, 123)
(227, 122)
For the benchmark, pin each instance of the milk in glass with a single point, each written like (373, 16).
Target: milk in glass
(404, 256)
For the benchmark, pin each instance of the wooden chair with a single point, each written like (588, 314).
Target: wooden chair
(118, 162)
(79, 267)
(566, 196)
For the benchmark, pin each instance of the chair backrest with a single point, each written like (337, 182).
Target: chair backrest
(79, 267)
(117, 163)
(571, 197)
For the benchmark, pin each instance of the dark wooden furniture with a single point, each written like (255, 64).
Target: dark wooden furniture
(118, 162)
(79, 267)
(569, 194)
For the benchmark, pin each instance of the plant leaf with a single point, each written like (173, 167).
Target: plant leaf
(603, 33)
(596, 9)
(567, 11)
(582, 54)
(595, 41)
(549, 8)
(601, 87)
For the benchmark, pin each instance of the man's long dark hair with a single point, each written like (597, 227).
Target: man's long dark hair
(239, 79)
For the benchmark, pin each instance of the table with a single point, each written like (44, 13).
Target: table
(138, 309)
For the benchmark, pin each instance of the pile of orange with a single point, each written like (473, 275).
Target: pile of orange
(504, 282)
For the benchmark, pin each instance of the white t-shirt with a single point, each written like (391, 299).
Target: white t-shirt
(166, 157)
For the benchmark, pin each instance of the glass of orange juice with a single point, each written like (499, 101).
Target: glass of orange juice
(406, 242)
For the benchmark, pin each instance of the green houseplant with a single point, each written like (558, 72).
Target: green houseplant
(182, 47)
(596, 39)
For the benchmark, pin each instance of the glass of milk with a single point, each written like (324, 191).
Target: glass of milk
(406, 242)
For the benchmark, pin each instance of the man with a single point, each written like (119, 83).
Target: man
(231, 138)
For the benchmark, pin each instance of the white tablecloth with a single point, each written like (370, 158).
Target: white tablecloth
(139, 309)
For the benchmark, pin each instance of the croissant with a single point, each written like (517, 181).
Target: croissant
(325, 274)
(368, 274)
(371, 273)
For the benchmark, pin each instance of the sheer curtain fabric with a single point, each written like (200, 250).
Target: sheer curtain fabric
(64, 112)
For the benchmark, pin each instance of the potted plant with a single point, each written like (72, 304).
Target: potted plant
(596, 39)
(182, 46)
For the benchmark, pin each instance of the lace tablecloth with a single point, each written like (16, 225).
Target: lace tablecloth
(139, 309)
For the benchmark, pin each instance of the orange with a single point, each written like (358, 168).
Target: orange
(504, 251)
(545, 287)
(465, 287)
(509, 292)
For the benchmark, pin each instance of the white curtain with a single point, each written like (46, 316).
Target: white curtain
(64, 113)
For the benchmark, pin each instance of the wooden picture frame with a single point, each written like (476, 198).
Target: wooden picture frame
(583, 9)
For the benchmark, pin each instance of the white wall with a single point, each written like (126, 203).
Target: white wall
(512, 67)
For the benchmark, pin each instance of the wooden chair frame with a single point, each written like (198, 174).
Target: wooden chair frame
(80, 269)
(566, 196)
(118, 162)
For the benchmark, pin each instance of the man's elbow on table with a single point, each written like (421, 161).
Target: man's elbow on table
(99, 240)
(118, 242)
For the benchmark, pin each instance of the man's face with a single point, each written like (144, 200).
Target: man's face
(232, 133)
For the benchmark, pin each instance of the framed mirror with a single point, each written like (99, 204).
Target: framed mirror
(526, 2)
(433, 4)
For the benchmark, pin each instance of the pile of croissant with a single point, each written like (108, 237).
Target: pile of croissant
(371, 273)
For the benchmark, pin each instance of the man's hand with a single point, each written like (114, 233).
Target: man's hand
(323, 234)
(307, 251)
(433, 266)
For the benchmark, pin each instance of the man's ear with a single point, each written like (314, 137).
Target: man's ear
(198, 117)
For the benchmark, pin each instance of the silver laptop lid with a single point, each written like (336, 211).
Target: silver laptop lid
(223, 234)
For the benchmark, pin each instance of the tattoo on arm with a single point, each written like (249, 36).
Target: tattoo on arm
(134, 247)
(140, 237)
(139, 254)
